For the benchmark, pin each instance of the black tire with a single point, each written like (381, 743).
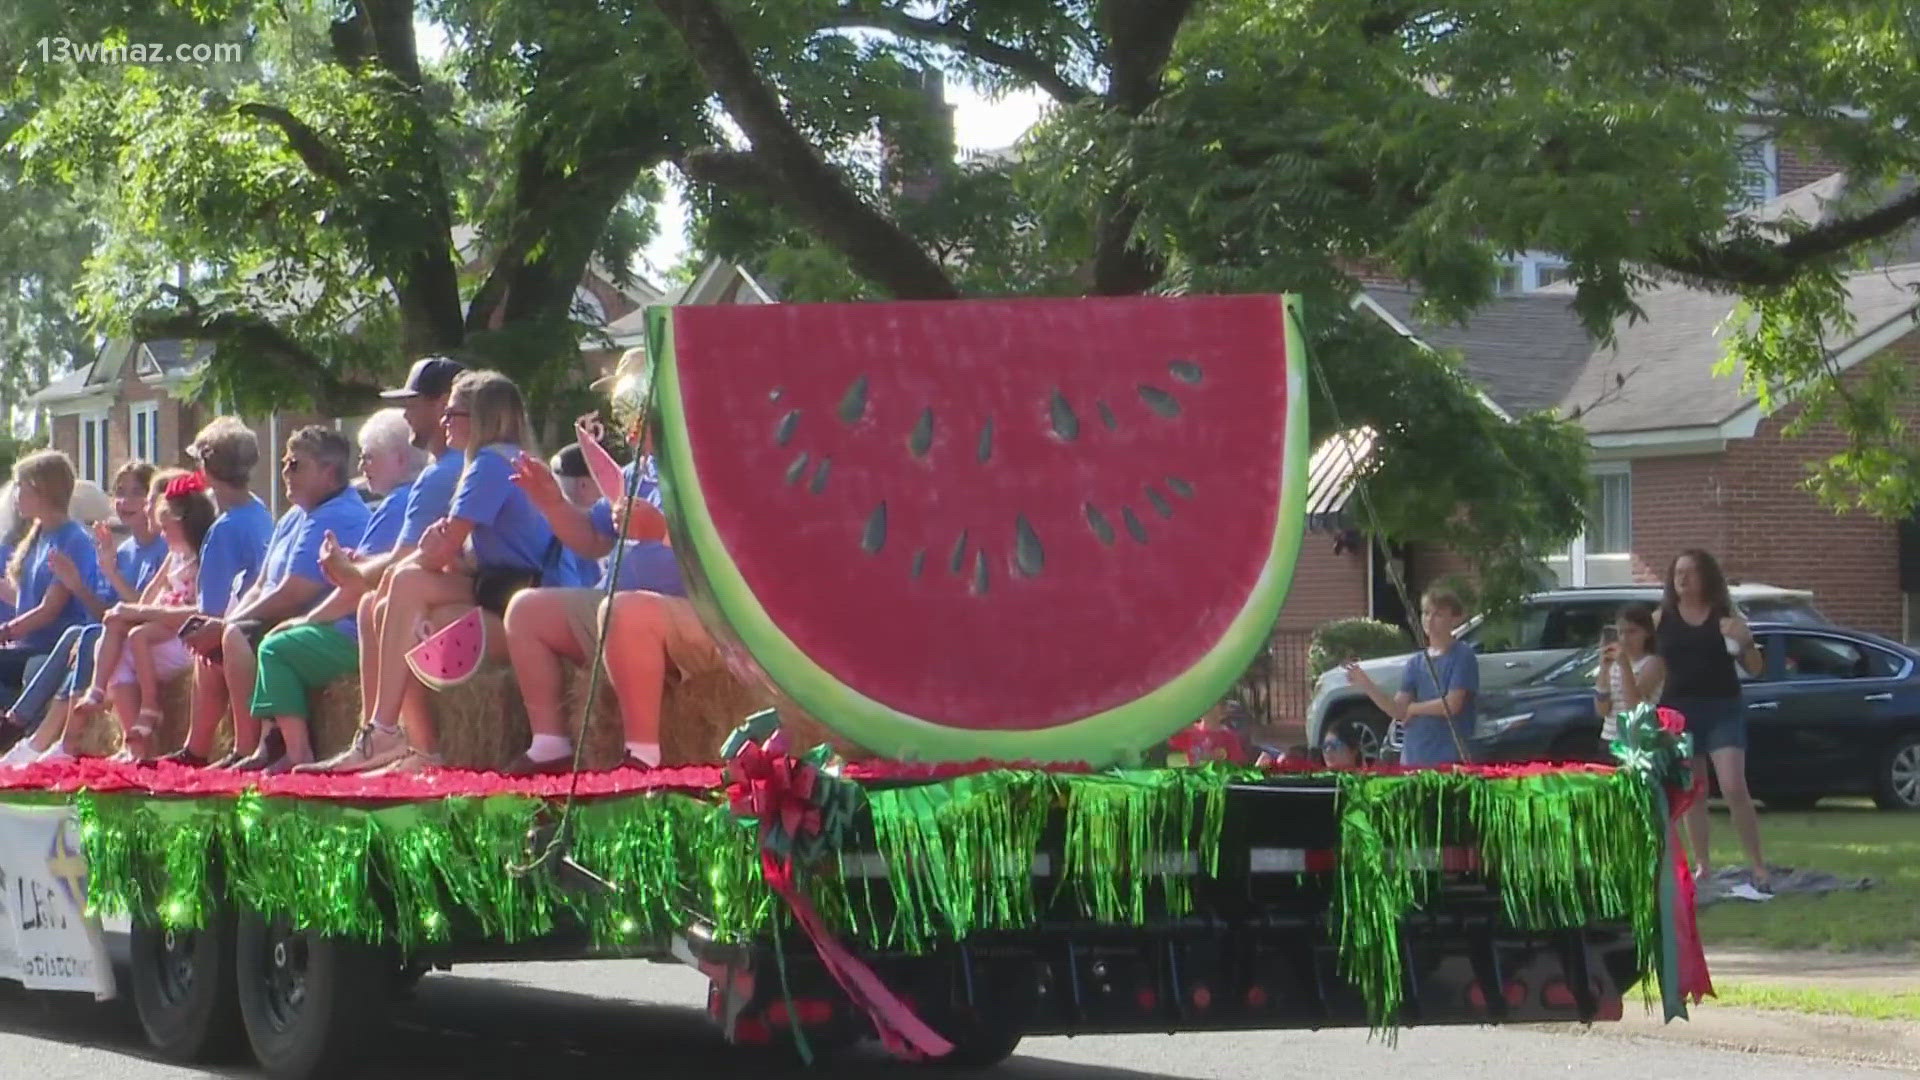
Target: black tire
(1362, 727)
(978, 1044)
(312, 1005)
(1896, 786)
(184, 991)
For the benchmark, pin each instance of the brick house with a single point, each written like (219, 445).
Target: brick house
(129, 403)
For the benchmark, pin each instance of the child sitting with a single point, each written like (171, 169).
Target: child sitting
(141, 647)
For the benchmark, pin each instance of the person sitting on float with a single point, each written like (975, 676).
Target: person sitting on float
(306, 652)
(124, 574)
(316, 476)
(227, 451)
(548, 627)
(45, 608)
(141, 647)
(492, 544)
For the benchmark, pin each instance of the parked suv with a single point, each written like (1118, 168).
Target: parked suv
(1543, 630)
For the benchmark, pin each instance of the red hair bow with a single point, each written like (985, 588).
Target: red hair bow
(192, 483)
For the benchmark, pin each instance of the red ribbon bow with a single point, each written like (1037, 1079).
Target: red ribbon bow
(775, 790)
(192, 483)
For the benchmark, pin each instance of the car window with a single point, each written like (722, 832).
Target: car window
(1577, 626)
(1808, 656)
(1580, 669)
(1793, 610)
(1518, 630)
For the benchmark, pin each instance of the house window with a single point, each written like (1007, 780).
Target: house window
(1759, 170)
(1603, 553)
(93, 448)
(145, 431)
(1531, 270)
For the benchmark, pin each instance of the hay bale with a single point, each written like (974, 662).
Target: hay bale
(333, 716)
(695, 719)
(482, 723)
(99, 735)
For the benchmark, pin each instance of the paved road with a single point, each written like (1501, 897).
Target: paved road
(633, 1021)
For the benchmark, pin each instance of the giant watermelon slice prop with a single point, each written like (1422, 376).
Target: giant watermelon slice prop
(1051, 530)
(452, 654)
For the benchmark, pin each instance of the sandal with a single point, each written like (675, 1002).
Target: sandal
(138, 745)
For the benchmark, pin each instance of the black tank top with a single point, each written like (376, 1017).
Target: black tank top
(1696, 659)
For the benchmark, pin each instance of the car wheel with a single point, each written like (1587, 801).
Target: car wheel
(1898, 785)
(1364, 728)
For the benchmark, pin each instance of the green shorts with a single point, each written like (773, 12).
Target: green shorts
(296, 660)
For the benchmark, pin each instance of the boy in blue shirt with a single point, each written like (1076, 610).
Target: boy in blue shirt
(1438, 689)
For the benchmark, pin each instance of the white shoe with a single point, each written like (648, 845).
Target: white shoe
(1746, 891)
(20, 756)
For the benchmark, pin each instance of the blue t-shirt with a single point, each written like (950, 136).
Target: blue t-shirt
(231, 553)
(137, 563)
(381, 535)
(645, 565)
(1427, 739)
(294, 550)
(432, 494)
(6, 560)
(507, 530)
(37, 577)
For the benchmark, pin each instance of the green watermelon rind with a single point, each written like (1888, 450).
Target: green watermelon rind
(1105, 738)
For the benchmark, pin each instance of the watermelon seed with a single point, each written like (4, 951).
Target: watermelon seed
(1065, 424)
(798, 469)
(784, 432)
(985, 449)
(1097, 521)
(1186, 371)
(1134, 528)
(1180, 487)
(979, 573)
(1106, 416)
(876, 534)
(854, 405)
(1159, 501)
(922, 438)
(1028, 557)
(819, 483)
(1160, 401)
(919, 561)
(959, 560)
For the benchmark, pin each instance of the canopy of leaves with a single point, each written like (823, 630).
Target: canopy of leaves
(1260, 145)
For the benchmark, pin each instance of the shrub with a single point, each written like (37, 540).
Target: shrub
(1334, 641)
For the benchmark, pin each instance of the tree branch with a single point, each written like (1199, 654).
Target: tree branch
(261, 340)
(1749, 260)
(875, 247)
(975, 43)
(305, 142)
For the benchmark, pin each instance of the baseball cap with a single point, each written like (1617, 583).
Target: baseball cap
(431, 376)
(632, 362)
(570, 461)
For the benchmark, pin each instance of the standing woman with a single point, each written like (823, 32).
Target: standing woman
(1700, 638)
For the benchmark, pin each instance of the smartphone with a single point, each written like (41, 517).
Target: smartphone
(192, 625)
(1609, 635)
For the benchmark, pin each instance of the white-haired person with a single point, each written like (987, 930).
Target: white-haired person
(306, 652)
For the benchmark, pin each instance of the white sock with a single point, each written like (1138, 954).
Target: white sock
(648, 752)
(549, 748)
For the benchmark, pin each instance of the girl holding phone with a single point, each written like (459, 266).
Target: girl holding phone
(1631, 673)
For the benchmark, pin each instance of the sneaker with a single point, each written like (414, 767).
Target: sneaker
(1747, 891)
(19, 756)
(410, 763)
(373, 748)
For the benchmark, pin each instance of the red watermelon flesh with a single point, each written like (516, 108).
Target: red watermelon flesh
(451, 655)
(991, 516)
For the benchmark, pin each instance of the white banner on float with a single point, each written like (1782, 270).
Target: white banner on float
(47, 941)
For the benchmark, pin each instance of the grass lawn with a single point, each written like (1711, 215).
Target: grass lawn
(1845, 838)
(1859, 1004)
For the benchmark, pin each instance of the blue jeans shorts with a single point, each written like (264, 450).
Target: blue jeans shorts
(1716, 723)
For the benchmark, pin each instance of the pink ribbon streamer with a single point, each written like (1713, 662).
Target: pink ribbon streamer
(1695, 980)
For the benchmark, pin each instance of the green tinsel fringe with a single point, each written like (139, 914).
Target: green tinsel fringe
(1564, 849)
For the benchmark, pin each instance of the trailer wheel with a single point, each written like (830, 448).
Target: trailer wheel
(978, 1044)
(184, 992)
(312, 1005)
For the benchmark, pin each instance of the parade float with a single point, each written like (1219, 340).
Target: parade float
(997, 550)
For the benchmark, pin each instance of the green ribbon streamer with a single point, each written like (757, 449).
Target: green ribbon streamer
(1563, 849)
